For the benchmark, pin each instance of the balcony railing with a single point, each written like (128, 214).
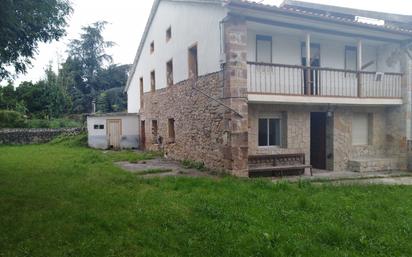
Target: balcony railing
(285, 79)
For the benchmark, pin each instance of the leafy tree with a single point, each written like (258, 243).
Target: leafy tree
(89, 54)
(25, 23)
(8, 99)
(11, 119)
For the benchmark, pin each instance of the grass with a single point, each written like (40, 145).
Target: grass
(62, 199)
(132, 156)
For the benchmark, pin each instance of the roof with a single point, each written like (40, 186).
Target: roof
(337, 10)
(112, 114)
(394, 23)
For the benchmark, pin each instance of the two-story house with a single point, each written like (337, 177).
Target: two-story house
(218, 81)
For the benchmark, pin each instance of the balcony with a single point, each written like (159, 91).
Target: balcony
(269, 82)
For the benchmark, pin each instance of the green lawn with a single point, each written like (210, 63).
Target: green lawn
(65, 200)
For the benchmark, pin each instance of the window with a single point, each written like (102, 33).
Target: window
(351, 58)
(152, 47)
(193, 62)
(141, 92)
(269, 132)
(169, 73)
(171, 128)
(153, 81)
(361, 128)
(154, 130)
(263, 49)
(168, 34)
(97, 126)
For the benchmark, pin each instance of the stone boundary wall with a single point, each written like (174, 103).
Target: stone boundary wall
(34, 136)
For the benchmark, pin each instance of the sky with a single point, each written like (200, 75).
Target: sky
(127, 20)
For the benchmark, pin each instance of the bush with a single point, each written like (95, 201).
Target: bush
(12, 119)
(54, 123)
(190, 164)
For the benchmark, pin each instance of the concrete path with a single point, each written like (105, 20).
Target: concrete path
(348, 177)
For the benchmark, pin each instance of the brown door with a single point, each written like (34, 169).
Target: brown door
(142, 135)
(114, 129)
(318, 140)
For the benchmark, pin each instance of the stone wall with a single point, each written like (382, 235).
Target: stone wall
(34, 136)
(386, 140)
(296, 134)
(198, 120)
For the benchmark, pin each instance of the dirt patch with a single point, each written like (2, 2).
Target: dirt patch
(171, 168)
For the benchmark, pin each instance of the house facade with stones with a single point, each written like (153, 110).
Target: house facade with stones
(218, 81)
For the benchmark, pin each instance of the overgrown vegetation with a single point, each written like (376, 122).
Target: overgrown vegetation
(13, 119)
(132, 156)
(190, 164)
(154, 171)
(61, 199)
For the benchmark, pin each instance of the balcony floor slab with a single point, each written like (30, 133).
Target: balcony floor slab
(321, 100)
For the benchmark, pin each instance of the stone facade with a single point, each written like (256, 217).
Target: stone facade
(198, 121)
(385, 149)
(235, 95)
(295, 124)
(215, 132)
(34, 136)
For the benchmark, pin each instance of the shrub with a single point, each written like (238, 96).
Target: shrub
(190, 164)
(54, 123)
(12, 119)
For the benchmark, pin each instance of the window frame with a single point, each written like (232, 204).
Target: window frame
(347, 49)
(141, 85)
(268, 118)
(171, 129)
(267, 39)
(369, 129)
(168, 34)
(189, 55)
(152, 47)
(169, 73)
(153, 81)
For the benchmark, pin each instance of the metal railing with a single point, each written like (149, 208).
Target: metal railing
(282, 79)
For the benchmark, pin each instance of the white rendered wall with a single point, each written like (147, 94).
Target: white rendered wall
(287, 50)
(191, 23)
(98, 138)
(130, 125)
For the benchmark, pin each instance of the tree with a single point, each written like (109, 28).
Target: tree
(8, 99)
(87, 57)
(25, 23)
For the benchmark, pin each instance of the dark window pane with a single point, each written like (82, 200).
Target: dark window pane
(263, 132)
(96, 126)
(101, 126)
(274, 132)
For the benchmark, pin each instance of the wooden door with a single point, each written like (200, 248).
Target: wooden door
(318, 140)
(114, 131)
(142, 135)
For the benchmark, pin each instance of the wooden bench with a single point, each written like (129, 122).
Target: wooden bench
(278, 165)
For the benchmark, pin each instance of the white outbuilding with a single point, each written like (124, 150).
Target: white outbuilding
(113, 130)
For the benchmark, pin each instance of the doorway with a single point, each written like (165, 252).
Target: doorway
(142, 135)
(114, 130)
(318, 140)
